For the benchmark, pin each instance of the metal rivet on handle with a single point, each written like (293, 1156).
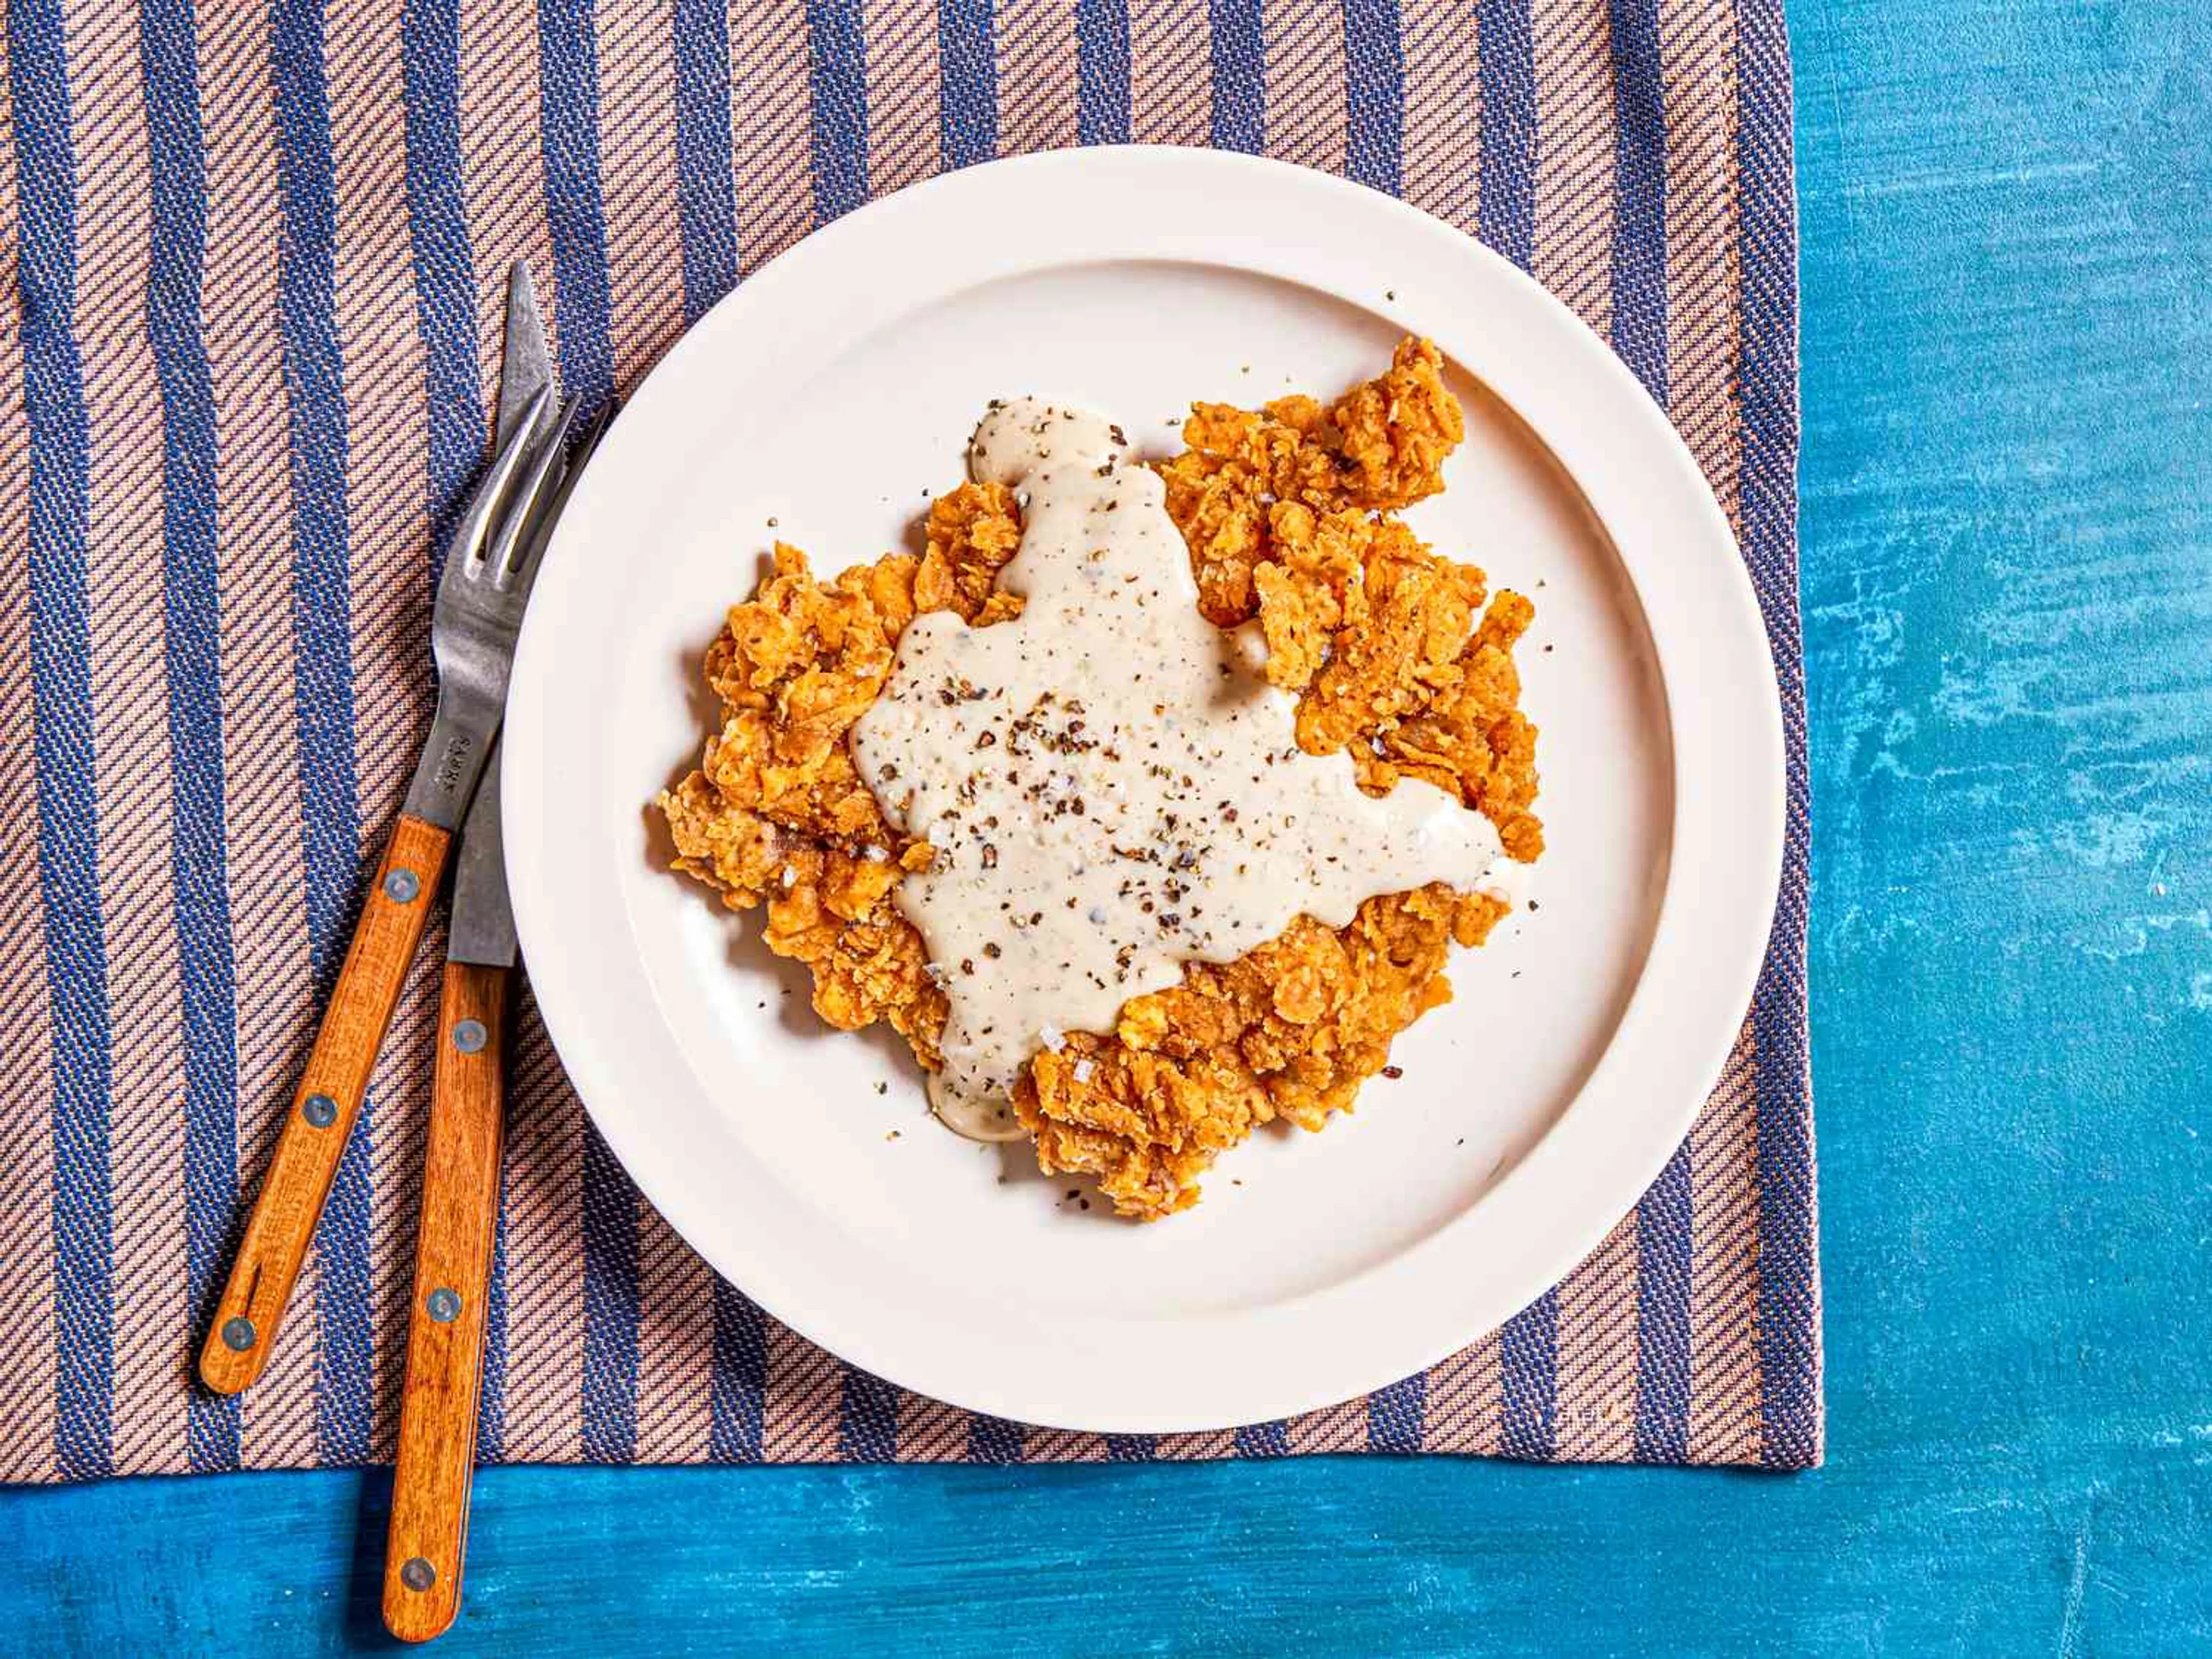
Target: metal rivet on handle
(442, 1305)
(401, 886)
(320, 1110)
(416, 1573)
(469, 1035)
(237, 1334)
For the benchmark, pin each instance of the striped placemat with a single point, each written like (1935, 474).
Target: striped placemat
(252, 320)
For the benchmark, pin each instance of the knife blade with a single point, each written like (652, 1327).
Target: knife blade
(482, 928)
(525, 368)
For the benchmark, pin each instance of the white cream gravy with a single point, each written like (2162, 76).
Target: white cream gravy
(1112, 788)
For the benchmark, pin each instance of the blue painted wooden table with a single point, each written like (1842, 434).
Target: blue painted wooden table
(2008, 227)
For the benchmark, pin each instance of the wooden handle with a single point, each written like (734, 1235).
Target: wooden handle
(329, 1098)
(445, 1320)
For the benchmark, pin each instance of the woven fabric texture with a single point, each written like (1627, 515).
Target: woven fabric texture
(248, 341)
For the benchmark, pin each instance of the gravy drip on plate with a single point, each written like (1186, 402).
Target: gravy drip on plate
(1112, 788)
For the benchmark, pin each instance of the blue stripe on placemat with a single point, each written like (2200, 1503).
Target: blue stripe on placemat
(569, 80)
(1528, 1374)
(445, 261)
(1506, 219)
(611, 1300)
(1788, 1279)
(1263, 1440)
(707, 207)
(445, 299)
(867, 1419)
(60, 694)
(995, 1439)
(838, 69)
(491, 1390)
(706, 192)
(1240, 75)
(192, 640)
(967, 122)
(1505, 212)
(1394, 1414)
(568, 83)
(307, 291)
(1102, 72)
(1374, 94)
(1663, 1316)
(1639, 339)
(445, 294)
(1639, 226)
(1131, 1448)
(740, 1385)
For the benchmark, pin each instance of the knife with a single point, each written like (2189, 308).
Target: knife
(477, 616)
(429, 1528)
(427, 1538)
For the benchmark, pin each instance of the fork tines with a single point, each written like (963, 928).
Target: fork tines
(517, 545)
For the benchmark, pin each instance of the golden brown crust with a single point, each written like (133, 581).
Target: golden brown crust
(1379, 447)
(777, 812)
(1291, 1031)
(1391, 655)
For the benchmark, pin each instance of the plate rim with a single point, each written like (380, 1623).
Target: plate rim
(1743, 701)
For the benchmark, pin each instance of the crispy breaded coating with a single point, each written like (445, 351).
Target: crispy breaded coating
(1379, 447)
(1392, 655)
(777, 812)
(1291, 1029)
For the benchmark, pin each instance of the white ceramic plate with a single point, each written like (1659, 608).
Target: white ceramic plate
(831, 396)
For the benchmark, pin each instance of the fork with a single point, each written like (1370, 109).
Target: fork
(474, 624)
